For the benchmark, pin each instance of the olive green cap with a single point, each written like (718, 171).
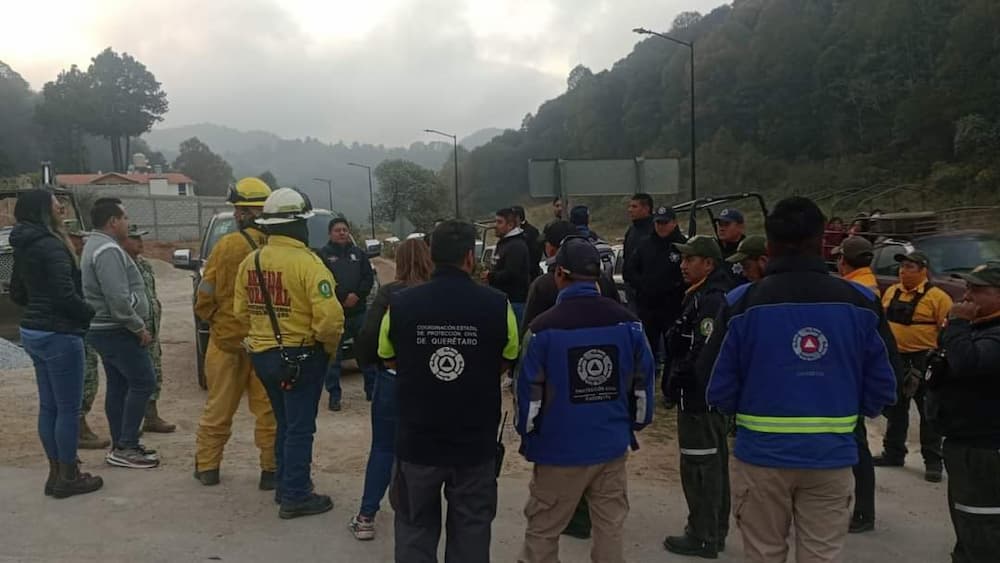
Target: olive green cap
(701, 245)
(751, 247)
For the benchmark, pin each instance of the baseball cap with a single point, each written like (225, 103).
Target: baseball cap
(701, 245)
(750, 247)
(579, 258)
(984, 275)
(134, 232)
(853, 247)
(556, 232)
(579, 215)
(730, 215)
(664, 215)
(914, 256)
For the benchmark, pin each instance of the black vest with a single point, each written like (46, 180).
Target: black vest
(901, 312)
(449, 336)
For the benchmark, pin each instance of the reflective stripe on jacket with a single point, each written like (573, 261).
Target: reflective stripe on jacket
(798, 357)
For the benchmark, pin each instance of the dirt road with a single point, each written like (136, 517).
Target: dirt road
(179, 520)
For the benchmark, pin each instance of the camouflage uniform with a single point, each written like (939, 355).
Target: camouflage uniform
(152, 323)
(89, 381)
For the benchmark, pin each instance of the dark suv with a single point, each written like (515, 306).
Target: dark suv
(221, 225)
(949, 253)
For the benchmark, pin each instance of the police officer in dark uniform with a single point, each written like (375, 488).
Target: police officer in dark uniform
(654, 274)
(533, 239)
(701, 431)
(732, 231)
(448, 341)
(963, 401)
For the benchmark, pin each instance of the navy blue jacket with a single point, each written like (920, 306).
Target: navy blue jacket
(798, 357)
(584, 382)
(352, 271)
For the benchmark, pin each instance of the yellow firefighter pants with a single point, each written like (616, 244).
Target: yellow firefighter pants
(228, 375)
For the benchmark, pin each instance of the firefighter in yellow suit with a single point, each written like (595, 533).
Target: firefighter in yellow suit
(228, 371)
(285, 298)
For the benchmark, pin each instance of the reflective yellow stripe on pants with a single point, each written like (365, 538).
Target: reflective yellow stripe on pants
(798, 424)
(229, 375)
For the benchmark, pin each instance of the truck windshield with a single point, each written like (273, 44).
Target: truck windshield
(961, 253)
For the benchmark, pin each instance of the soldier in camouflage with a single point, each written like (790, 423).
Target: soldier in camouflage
(134, 247)
(88, 440)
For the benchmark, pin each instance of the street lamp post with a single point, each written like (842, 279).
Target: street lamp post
(329, 187)
(371, 193)
(454, 139)
(689, 45)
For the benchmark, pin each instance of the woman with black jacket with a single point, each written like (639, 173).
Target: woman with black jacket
(46, 282)
(413, 267)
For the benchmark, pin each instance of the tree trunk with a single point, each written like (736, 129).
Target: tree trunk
(128, 151)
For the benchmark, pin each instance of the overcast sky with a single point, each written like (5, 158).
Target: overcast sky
(376, 71)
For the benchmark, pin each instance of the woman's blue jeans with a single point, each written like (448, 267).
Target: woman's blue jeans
(385, 416)
(59, 365)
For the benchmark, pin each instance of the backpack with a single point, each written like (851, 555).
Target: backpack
(607, 258)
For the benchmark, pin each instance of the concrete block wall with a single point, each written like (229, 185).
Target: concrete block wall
(173, 218)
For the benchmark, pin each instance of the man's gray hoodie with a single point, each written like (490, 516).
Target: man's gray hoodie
(112, 285)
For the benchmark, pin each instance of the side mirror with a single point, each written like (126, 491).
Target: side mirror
(182, 260)
(373, 248)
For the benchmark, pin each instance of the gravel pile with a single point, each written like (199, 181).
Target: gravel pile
(13, 356)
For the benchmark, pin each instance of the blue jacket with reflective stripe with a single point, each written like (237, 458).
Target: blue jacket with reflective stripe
(585, 381)
(798, 356)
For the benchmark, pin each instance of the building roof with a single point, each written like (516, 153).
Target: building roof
(115, 178)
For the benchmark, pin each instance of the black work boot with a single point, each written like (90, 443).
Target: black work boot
(71, 482)
(933, 473)
(886, 460)
(53, 477)
(310, 505)
(266, 481)
(208, 478)
(861, 523)
(689, 545)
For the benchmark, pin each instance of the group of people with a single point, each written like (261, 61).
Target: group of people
(751, 332)
(84, 301)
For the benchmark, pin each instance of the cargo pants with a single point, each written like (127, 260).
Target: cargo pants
(974, 501)
(230, 374)
(702, 437)
(555, 492)
(90, 380)
(769, 502)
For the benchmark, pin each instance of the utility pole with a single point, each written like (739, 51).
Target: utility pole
(454, 139)
(329, 187)
(371, 194)
(694, 157)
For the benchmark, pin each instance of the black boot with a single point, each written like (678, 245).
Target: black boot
(861, 523)
(208, 478)
(886, 460)
(266, 482)
(312, 504)
(71, 482)
(689, 545)
(53, 477)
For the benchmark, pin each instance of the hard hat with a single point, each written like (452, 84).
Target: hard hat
(249, 192)
(285, 205)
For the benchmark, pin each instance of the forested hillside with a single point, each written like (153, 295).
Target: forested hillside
(792, 95)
